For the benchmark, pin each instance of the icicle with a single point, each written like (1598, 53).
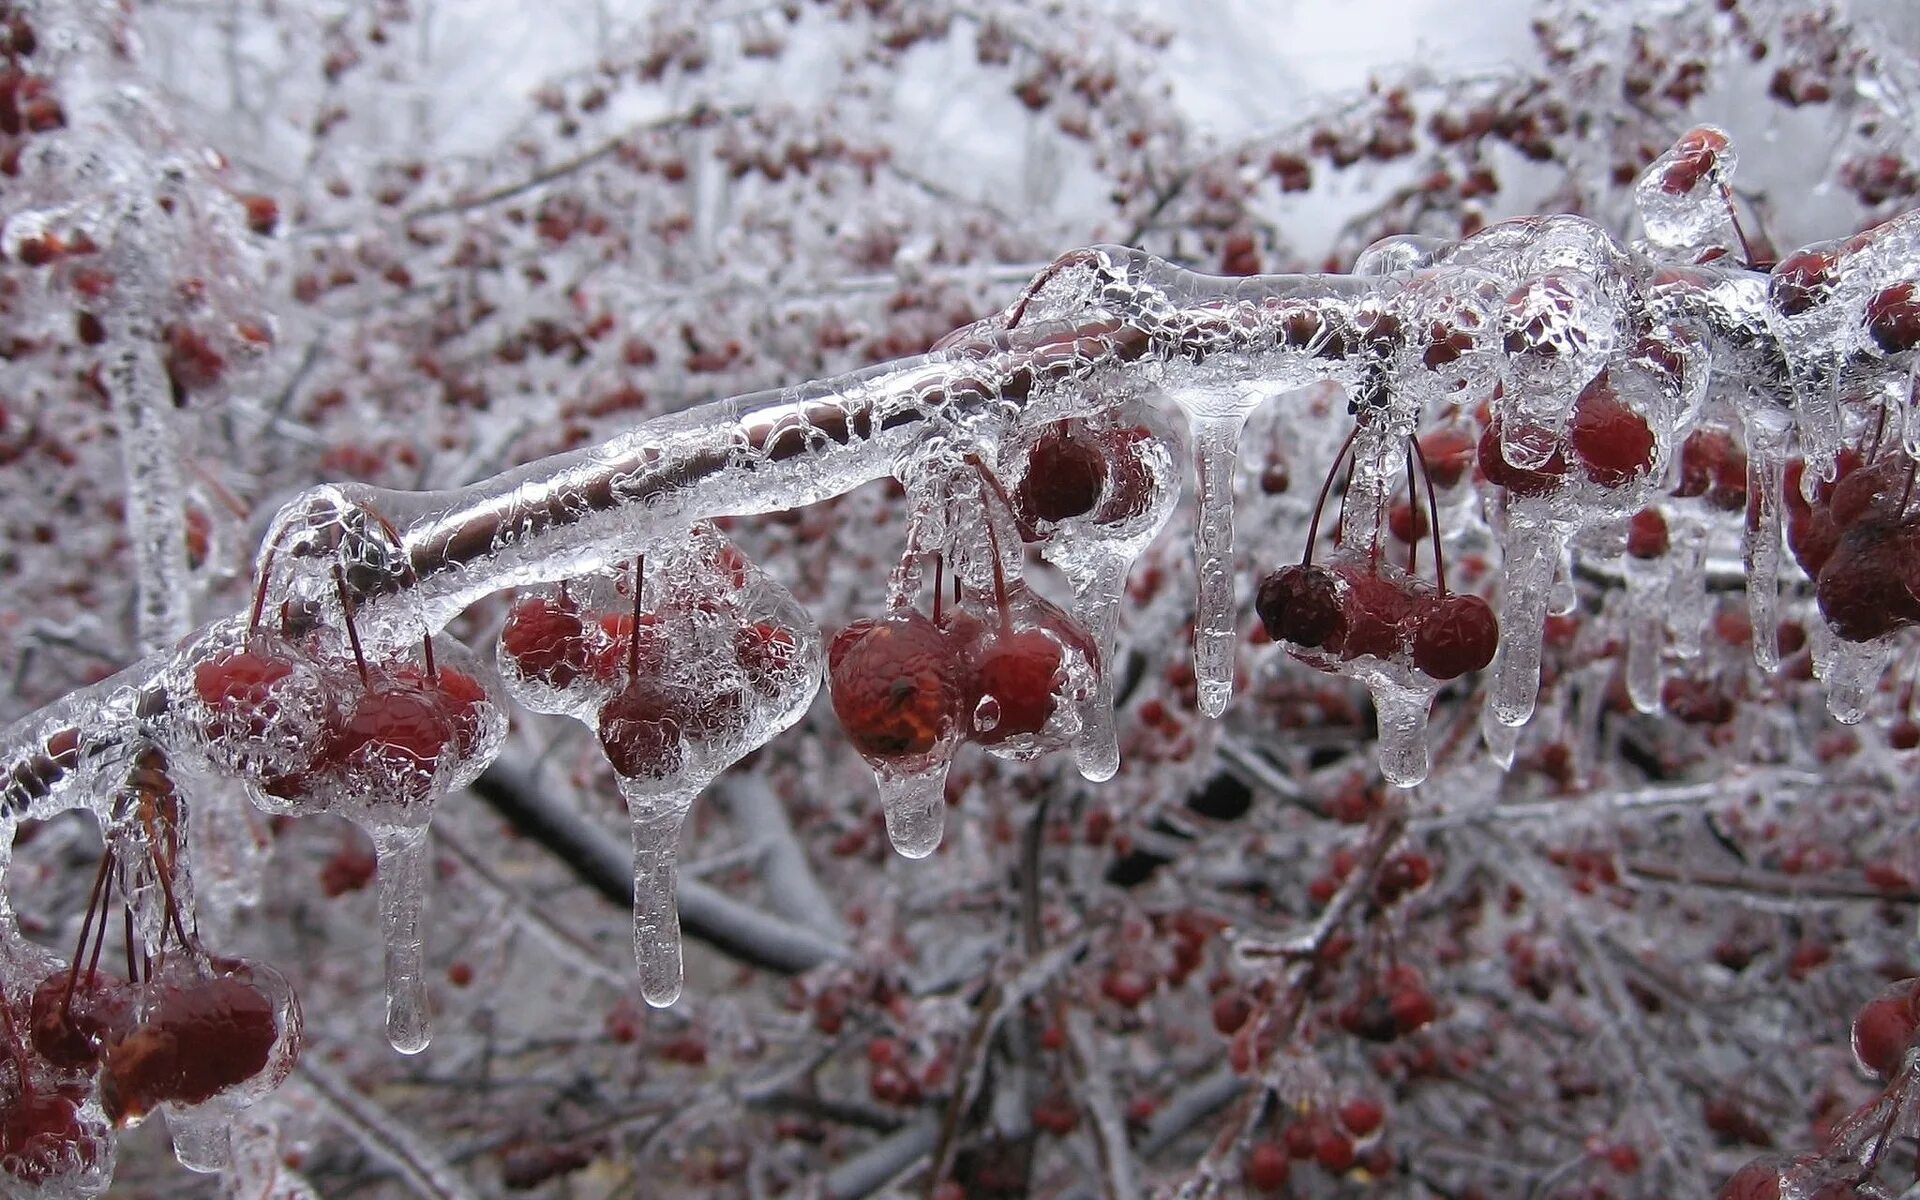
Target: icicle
(1215, 444)
(1532, 551)
(657, 819)
(200, 1137)
(1098, 588)
(1766, 475)
(915, 804)
(403, 858)
(1686, 601)
(1852, 674)
(1501, 739)
(1646, 632)
(1401, 711)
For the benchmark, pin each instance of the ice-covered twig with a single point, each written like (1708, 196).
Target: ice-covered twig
(381, 1133)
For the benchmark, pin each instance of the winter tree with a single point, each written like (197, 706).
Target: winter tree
(958, 598)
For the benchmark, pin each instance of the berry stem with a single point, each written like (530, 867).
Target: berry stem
(353, 635)
(633, 639)
(86, 925)
(1413, 506)
(1739, 230)
(1433, 516)
(1320, 503)
(939, 585)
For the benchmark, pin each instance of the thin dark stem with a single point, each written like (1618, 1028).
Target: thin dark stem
(1433, 515)
(1320, 503)
(353, 634)
(633, 642)
(86, 925)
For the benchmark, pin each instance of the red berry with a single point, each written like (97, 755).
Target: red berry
(72, 1032)
(1412, 1008)
(1126, 986)
(1231, 1009)
(1407, 522)
(1362, 1117)
(1455, 634)
(198, 1038)
(895, 685)
(1801, 281)
(1332, 1149)
(1016, 679)
(1761, 1179)
(1301, 604)
(1884, 1030)
(640, 729)
(546, 642)
(1065, 476)
(1647, 535)
(43, 1138)
(1613, 443)
(399, 729)
(1448, 454)
(1267, 1167)
(1711, 465)
(1521, 481)
(238, 685)
(1893, 318)
(768, 654)
(1692, 159)
(1863, 589)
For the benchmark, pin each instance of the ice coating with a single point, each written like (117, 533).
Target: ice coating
(1529, 315)
(404, 864)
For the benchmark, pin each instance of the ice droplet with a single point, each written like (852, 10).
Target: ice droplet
(1402, 716)
(1852, 673)
(402, 856)
(1501, 739)
(200, 1139)
(657, 819)
(986, 715)
(1215, 442)
(915, 804)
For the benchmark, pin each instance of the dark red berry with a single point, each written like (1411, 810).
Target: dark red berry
(1065, 476)
(42, 1138)
(72, 1030)
(1893, 318)
(1448, 454)
(1267, 1167)
(640, 729)
(1761, 1179)
(238, 685)
(1692, 159)
(1455, 634)
(1647, 535)
(198, 1038)
(1301, 604)
(1801, 281)
(1521, 481)
(1020, 672)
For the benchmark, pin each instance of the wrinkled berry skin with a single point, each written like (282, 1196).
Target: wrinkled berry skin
(895, 685)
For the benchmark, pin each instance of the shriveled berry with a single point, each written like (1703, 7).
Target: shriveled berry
(895, 685)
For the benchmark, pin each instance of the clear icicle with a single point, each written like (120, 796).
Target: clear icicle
(200, 1137)
(1686, 605)
(1216, 441)
(657, 819)
(1852, 674)
(1501, 739)
(1646, 633)
(1533, 551)
(403, 858)
(1098, 588)
(915, 804)
(1402, 716)
(1766, 475)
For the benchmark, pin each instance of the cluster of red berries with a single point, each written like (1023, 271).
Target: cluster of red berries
(722, 654)
(1336, 1142)
(906, 687)
(313, 734)
(1859, 539)
(197, 1031)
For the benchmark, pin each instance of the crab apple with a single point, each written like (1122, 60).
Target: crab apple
(546, 642)
(1014, 683)
(1448, 454)
(1267, 1167)
(1362, 1117)
(1893, 318)
(1066, 474)
(1613, 443)
(628, 645)
(895, 685)
(1863, 589)
(197, 1037)
(1543, 480)
(1375, 609)
(1802, 281)
(71, 1026)
(640, 729)
(1300, 603)
(1694, 157)
(768, 653)
(1647, 534)
(1885, 1029)
(393, 731)
(45, 1137)
(1455, 634)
